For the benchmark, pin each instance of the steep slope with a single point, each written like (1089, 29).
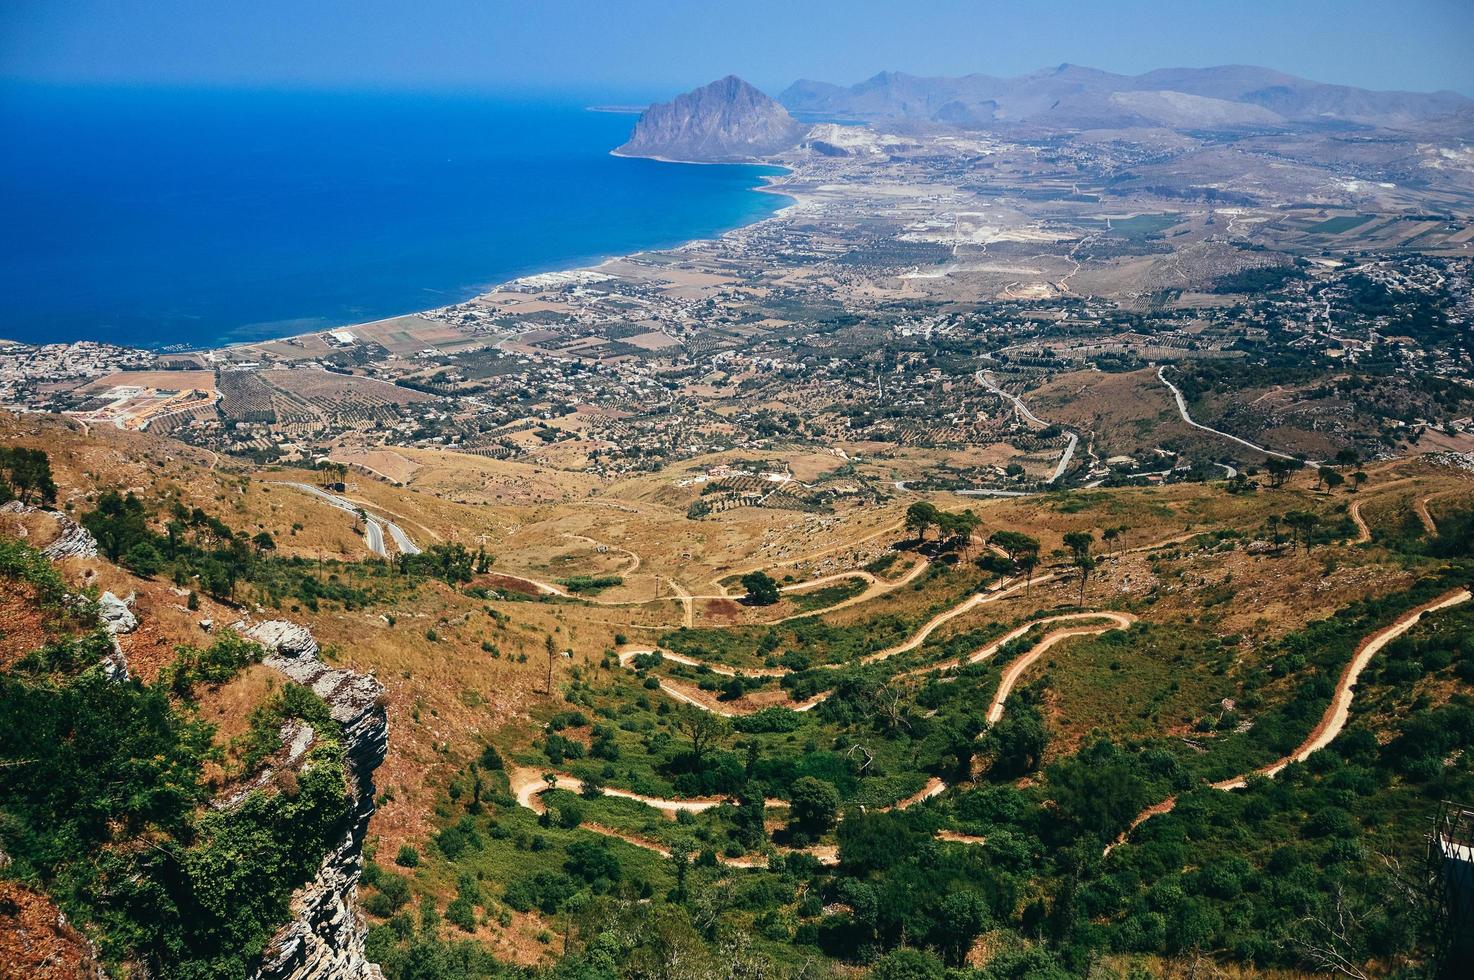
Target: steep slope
(728, 120)
(325, 938)
(268, 792)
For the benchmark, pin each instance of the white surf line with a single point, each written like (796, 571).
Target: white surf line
(1064, 460)
(1182, 410)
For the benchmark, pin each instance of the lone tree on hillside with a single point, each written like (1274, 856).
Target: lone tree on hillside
(761, 589)
(1079, 543)
(959, 528)
(23, 471)
(1302, 526)
(1021, 549)
(1015, 544)
(1026, 563)
(334, 472)
(813, 805)
(704, 730)
(919, 517)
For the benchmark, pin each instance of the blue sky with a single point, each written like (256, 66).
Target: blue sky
(646, 48)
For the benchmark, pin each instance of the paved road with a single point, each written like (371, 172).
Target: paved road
(1182, 410)
(374, 527)
(401, 540)
(1064, 460)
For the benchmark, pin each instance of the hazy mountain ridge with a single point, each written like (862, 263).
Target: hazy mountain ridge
(726, 120)
(1076, 96)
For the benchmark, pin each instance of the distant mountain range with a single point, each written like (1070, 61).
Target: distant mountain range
(727, 120)
(1074, 97)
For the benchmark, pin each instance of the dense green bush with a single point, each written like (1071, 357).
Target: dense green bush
(104, 808)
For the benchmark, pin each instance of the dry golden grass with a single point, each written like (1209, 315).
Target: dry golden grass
(446, 695)
(466, 478)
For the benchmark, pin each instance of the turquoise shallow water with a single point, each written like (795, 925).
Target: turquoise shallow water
(158, 218)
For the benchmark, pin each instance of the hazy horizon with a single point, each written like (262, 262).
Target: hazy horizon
(584, 50)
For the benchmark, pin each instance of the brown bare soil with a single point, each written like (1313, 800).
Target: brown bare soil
(37, 942)
(23, 623)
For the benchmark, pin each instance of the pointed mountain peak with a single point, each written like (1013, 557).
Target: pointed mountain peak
(725, 120)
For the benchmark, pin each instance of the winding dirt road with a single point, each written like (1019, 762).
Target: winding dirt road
(1363, 533)
(1333, 721)
(528, 785)
(1016, 669)
(875, 587)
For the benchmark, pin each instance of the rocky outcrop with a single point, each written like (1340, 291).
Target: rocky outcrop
(72, 539)
(116, 616)
(325, 939)
(725, 121)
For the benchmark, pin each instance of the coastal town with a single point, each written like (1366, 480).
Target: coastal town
(1035, 542)
(894, 311)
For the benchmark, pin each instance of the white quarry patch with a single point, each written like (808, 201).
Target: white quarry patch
(1182, 109)
(573, 277)
(969, 146)
(858, 140)
(965, 233)
(1447, 157)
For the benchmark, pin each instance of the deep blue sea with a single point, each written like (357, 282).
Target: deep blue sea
(155, 218)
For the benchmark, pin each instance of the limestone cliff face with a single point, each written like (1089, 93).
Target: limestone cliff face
(725, 121)
(325, 939)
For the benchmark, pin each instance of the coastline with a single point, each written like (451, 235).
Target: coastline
(588, 264)
(468, 193)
